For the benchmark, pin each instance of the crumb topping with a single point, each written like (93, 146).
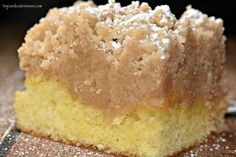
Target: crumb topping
(132, 54)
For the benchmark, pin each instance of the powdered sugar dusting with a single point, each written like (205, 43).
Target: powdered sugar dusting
(163, 57)
(217, 145)
(134, 17)
(116, 45)
(165, 40)
(27, 145)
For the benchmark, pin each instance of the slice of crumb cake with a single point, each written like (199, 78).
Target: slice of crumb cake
(128, 80)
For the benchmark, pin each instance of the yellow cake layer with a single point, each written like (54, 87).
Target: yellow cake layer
(47, 108)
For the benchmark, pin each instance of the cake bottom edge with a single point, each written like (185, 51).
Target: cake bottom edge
(46, 108)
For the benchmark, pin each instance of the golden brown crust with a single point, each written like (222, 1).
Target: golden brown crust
(106, 150)
(111, 56)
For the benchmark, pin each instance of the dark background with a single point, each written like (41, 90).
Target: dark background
(26, 17)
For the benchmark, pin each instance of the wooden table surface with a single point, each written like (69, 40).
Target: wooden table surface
(14, 143)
